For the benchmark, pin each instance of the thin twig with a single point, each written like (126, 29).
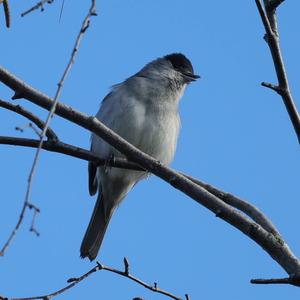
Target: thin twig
(6, 13)
(125, 273)
(36, 211)
(40, 5)
(75, 280)
(28, 125)
(61, 10)
(12, 235)
(83, 28)
(30, 116)
(15, 230)
(268, 16)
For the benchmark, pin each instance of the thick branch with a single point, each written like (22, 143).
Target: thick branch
(268, 17)
(276, 249)
(30, 116)
(60, 147)
(250, 210)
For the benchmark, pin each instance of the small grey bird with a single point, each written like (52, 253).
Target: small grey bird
(144, 111)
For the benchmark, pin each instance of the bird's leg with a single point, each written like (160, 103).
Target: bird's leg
(109, 161)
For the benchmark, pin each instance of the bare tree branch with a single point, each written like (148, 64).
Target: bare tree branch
(36, 211)
(26, 204)
(31, 126)
(30, 116)
(247, 208)
(16, 228)
(6, 12)
(293, 280)
(99, 267)
(268, 16)
(40, 5)
(250, 210)
(277, 249)
(125, 273)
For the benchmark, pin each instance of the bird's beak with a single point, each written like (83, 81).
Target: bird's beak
(189, 77)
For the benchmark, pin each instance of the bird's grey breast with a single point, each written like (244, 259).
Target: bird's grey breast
(145, 113)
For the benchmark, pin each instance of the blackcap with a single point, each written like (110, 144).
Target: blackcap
(143, 110)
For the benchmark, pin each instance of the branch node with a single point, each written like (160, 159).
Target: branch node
(17, 95)
(218, 213)
(126, 266)
(273, 4)
(273, 87)
(99, 265)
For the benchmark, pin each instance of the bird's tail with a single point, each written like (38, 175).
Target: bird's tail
(95, 232)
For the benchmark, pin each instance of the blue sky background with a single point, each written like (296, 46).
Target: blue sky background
(235, 135)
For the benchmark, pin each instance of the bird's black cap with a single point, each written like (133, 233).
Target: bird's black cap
(183, 65)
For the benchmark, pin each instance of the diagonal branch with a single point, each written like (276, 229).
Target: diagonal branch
(57, 146)
(268, 16)
(278, 250)
(247, 208)
(30, 116)
(60, 147)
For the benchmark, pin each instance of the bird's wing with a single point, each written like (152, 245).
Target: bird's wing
(109, 113)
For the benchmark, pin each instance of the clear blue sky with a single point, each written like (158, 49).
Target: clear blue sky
(235, 135)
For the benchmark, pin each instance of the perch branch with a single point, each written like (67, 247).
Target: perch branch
(60, 147)
(278, 250)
